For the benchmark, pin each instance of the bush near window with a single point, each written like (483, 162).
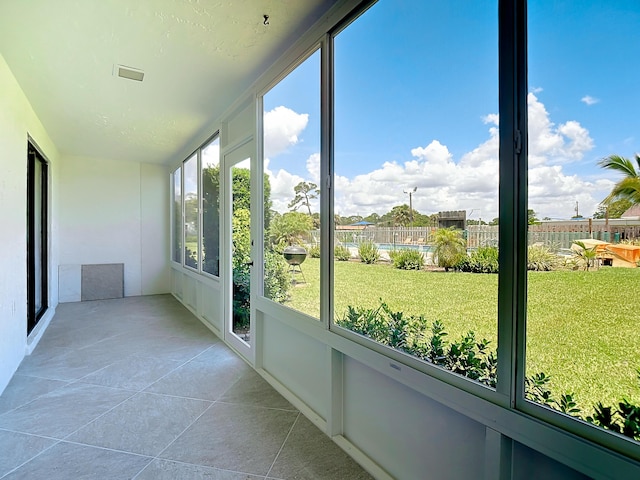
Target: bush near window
(368, 252)
(314, 252)
(276, 277)
(541, 258)
(277, 280)
(407, 259)
(449, 247)
(473, 359)
(413, 335)
(190, 258)
(623, 418)
(482, 260)
(341, 253)
(289, 228)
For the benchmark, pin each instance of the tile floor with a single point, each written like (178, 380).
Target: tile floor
(138, 388)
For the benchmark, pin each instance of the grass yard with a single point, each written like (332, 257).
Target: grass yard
(583, 327)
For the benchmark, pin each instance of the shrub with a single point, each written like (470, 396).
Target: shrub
(449, 247)
(341, 253)
(276, 277)
(276, 286)
(541, 258)
(314, 252)
(482, 260)
(623, 418)
(586, 257)
(190, 258)
(241, 298)
(289, 228)
(407, 259)
(413, 335)
(474, 360)
(368, 252)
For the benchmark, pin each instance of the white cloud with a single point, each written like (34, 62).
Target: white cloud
(282, 127)
(492, 118)
(282, 184)
(589, 100)
(313, 167)
(565, 143)
(468, 183)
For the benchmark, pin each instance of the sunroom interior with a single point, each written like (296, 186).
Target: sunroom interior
(121, 105)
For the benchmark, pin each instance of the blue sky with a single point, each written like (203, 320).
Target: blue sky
(416, 105)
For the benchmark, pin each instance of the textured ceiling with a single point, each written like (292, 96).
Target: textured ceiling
(197, 55)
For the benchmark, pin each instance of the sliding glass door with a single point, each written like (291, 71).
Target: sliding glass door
(37, 241)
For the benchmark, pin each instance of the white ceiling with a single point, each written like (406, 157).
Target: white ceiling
(197, 56)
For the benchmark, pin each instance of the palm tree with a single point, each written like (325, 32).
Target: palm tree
(449, 247)
(629, 186)
(401, 215)
(585, 255)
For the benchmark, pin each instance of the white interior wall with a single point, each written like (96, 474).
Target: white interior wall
(406, 432)
(303, 358)
(17, 121)
(114, 211)
(154, 225)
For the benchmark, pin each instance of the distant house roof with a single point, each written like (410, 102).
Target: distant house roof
(633, 211)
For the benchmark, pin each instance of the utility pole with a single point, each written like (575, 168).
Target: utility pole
(411, 192)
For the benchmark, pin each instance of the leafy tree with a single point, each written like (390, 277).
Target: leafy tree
(616, 208)
(191, 214)
(242, 192)
(211, 209)
(373, 218)
(289, 228)
(531, 217)
(449, 247)
(276, 277)
(627, 188)
(315, 218)
(241, 241)
(211, 219)
(305, 192)
(422, 220)
(401, 215)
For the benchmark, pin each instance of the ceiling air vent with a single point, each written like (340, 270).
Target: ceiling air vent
(128, 72)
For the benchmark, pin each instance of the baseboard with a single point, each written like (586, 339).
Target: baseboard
(36, 334)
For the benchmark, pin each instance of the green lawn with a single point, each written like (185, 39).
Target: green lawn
(583, 327)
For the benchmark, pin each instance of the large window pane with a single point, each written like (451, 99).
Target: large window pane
(191, 221)
(582, 320)
(176, 213)
(416, 181)
(37, 234)
(292, 189)
(210, 159)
